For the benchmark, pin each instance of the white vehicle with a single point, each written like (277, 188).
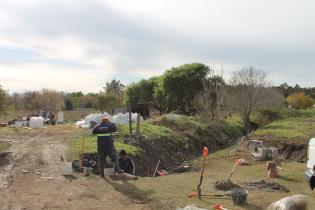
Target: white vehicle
(310, 159)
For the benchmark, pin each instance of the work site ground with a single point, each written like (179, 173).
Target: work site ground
(30, 178)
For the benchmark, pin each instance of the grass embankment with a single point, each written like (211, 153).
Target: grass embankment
(90, 146)
(164, 128)
(294, 124)
(147, 129)
(289, 128)
(176, 187)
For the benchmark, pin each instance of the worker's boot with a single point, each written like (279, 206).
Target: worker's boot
(102, 172)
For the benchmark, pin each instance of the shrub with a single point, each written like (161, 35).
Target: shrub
(266, 116)
(294, 113)
(300, 101)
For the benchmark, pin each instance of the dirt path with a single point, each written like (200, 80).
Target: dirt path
(45, 188)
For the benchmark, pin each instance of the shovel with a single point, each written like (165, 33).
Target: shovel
(205, 154)
(195, 194)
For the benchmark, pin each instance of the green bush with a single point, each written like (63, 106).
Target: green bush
(266, 116)
(294, 113)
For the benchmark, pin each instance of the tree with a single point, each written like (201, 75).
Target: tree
(250, 92)
(28, 98)
(140, 92)
(159, 101)
(68, 104)
(16, 101)
(300, 101)
(114, 87)
(285, 89)
(112, 96)
(3, 100)
(182, 84)
(210, 101)
(48, 100)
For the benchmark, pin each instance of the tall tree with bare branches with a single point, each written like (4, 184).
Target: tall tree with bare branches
(251, 90)
(210, 100)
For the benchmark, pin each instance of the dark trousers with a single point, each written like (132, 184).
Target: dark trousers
(104, 148)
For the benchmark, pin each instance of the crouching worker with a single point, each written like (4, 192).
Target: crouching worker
(126, 163)
(105, 144)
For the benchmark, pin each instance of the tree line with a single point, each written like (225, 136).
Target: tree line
(189, 89)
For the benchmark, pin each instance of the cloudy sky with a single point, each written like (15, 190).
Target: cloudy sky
(79, 45)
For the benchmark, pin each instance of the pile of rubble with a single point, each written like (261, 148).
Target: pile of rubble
(259, 185)
(225, 185)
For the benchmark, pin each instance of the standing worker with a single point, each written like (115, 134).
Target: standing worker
(105, 144)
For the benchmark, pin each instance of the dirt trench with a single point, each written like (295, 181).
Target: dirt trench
(31, 179)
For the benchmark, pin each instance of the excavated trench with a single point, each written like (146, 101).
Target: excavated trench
(174, 157)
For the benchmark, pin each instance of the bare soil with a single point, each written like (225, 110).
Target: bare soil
(31, 179)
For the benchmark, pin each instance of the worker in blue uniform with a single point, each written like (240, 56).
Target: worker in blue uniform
(105, 144)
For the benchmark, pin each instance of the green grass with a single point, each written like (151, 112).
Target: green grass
(234, 119)
(294, 113)
(288, 128)
(4, 146)
(90, 146)
(151, 131)
(176, 187)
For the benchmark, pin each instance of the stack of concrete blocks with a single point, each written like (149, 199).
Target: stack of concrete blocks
(259, 152)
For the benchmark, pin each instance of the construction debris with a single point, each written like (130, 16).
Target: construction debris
(243, 162)
(271, 186)
(119, 119)
(225, 185)
(122, 176)
(260, 152)
(36, 122)
(219, 207)
(190, 207)
(298, 202)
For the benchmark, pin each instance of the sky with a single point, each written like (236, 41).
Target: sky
(79, 45)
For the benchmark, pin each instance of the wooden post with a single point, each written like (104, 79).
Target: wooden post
(82, 151)
(130, 122)
(138, 124)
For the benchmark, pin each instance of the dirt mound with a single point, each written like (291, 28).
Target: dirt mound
(225, 185)
(260, 185)
(293, 151)
(4, 158)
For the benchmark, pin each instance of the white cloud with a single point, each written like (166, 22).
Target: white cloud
(34, 76)
(132, 39)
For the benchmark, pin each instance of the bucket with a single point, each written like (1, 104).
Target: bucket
(66, 168)
(108, 171)
(239, 195)
(87, 171)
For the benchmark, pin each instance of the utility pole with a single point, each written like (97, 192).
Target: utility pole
(130, 122)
